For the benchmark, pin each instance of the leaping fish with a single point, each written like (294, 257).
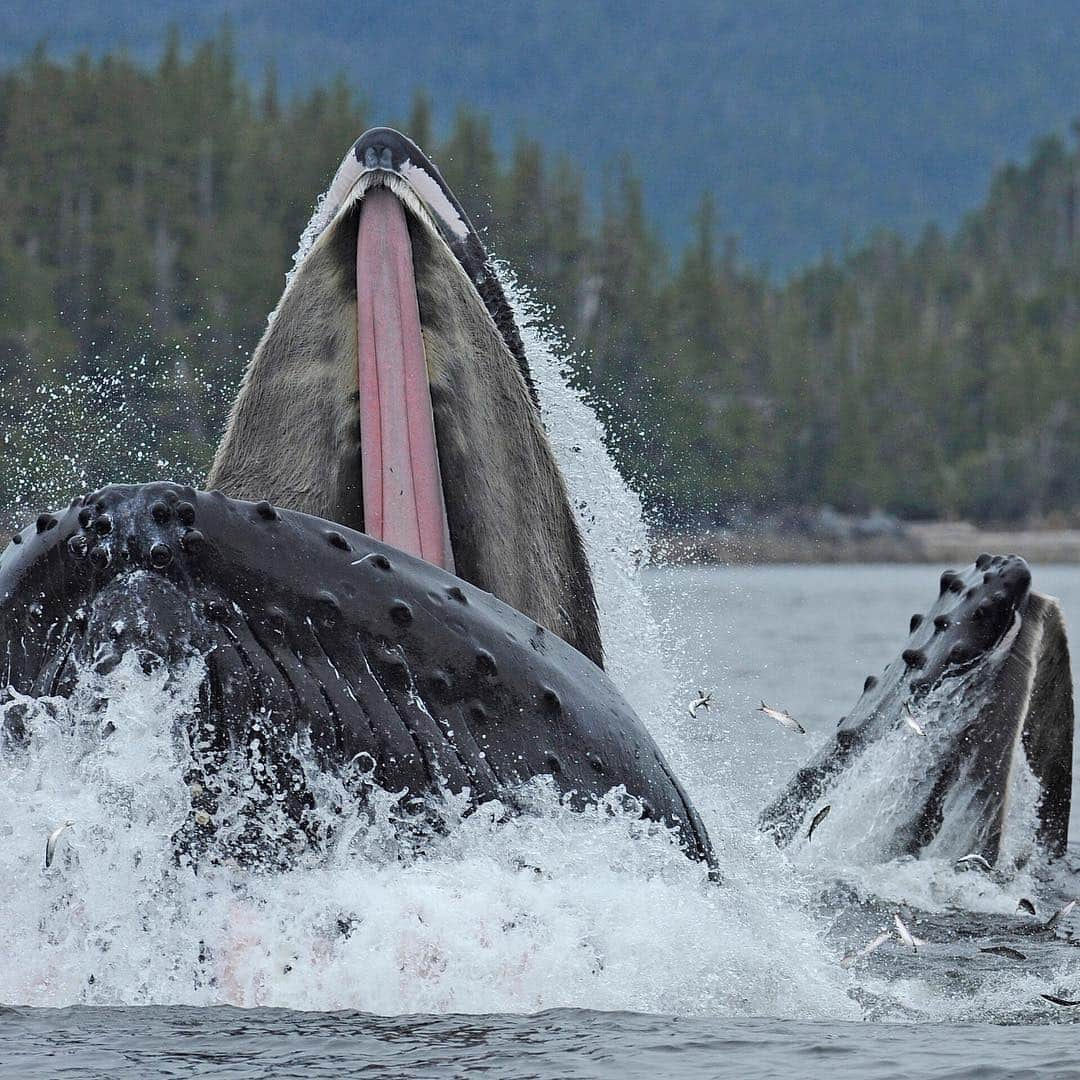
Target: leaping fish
(866, 950)
(53, 840)
(905, 935)
(1060, 914)
(909, 719)
(819, 817)
(1024, 904)
(1064, 1002)
(701, 702)
(783, 718)
(974, 859)
(1004, 950)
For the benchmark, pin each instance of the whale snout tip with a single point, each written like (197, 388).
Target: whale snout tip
(1021, 575)
(1009, 579)
(378, 157)
(384, 148)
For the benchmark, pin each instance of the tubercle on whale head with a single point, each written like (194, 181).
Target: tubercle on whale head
(89, 543)
(976, 609)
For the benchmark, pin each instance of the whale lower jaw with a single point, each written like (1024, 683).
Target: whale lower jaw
(317, 636)
(987, 673)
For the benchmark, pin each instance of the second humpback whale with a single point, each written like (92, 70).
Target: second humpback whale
(387, 581)
(986, 671)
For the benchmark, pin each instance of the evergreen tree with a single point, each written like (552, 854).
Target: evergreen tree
(148, 215)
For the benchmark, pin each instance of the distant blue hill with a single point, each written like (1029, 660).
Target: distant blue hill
(812, 121)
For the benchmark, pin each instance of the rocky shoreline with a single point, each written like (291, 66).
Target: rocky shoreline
(923, 542)
(938, 542)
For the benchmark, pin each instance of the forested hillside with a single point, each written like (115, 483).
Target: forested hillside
(812, 123)
(147, 216)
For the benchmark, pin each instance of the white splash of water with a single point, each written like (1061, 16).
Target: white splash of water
(103, 427)
(553, 908)
(608, 511)
(642, 653)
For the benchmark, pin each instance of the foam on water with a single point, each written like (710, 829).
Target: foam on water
(553, 908)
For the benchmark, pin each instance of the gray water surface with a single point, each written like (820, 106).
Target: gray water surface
(563, 1044)
(800, 637)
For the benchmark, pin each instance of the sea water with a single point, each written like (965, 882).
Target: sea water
(555, 943)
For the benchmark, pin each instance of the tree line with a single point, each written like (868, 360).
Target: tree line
(147, 216)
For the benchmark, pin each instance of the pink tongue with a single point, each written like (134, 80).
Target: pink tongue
(403, 497)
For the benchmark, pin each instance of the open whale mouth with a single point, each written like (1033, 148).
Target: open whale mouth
(396, 191)
(391, 394)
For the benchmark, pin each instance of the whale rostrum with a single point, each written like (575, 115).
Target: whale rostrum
(986, 671)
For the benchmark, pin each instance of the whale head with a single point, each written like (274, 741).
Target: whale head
(984, 676)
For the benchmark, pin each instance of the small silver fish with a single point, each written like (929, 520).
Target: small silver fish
(1060, 914)
(1064, 1002)
(702, 702)
(53, 840)
(819, 817)
(1025, 904)
(867, 949)
(905, 935)
(974, 859)
(783, 718)
(1004, 950)
(909, 719)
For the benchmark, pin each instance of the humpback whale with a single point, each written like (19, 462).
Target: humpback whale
(387, 580)
(986, 671)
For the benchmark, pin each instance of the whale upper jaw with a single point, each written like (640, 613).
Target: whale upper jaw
(385, 156)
